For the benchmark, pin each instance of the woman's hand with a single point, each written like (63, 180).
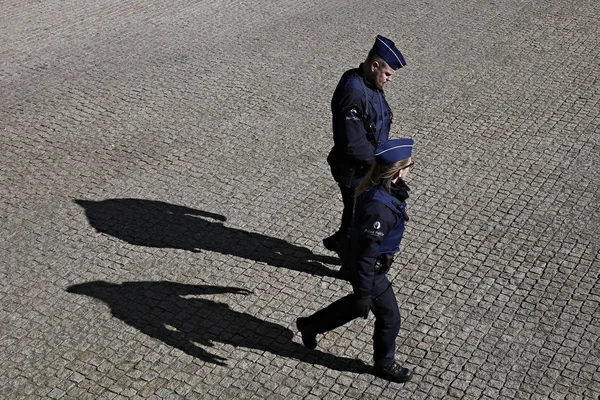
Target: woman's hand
(363, 305)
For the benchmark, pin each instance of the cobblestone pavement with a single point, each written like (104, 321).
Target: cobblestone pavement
(164, 193)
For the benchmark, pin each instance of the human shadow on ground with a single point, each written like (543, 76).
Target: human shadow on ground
(175, 314)
(159, 224)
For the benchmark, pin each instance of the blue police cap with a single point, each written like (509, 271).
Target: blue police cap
(387, 50)
(393, 151)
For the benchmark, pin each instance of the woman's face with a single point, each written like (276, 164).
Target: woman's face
(404, 171)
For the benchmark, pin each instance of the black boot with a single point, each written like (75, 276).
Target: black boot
(332, 243)
(393, 372)
(344, 274)
(309, 336)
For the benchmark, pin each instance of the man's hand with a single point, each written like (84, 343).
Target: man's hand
(363, 305)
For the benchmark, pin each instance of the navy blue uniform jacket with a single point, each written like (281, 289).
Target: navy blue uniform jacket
(377, 231)
(355, 104)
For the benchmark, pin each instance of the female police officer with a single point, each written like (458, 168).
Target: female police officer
(377, 230)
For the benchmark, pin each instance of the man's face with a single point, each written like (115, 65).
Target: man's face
(382, 74)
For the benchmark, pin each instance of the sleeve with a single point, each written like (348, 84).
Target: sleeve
(374, 221)
(349, 134)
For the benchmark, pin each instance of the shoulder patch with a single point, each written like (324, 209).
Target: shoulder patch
(353, 115)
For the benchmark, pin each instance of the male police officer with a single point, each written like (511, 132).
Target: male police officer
(361, 120)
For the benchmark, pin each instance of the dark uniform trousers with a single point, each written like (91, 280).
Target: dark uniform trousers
(347, 188)
(348, 212)
(387, 318)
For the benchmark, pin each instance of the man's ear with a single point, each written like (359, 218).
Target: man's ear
(374, 66)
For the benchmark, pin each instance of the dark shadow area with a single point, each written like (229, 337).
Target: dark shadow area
(191, 324)
(159, 224)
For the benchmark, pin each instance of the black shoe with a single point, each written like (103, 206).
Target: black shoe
(343, 274)
(332, 243)
(309, 337)
(394, 373)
